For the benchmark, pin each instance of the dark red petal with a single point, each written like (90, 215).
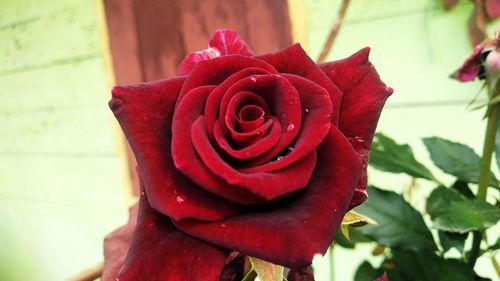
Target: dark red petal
(471, 66)
(116, 246)
(184, 155)
(284, 103)
(253, 150)
(306, 221)
(364, 95)
(294, 60)
(217, 70)
(316, 112)
(159, 251)
(145, 115)
(224, 42)
(266, 185)
(303, 274)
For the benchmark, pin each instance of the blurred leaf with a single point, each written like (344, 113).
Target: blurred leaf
(353, 218)
(387, 155)
(267, 271)
(495, 246)
(400, 225)
(497, 145)
(344, 228)
(463, 188)
(456, 159)
(366, 272)
(452, 212)
(427, 266)
(452, 240)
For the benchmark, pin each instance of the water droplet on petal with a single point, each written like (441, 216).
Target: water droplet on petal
(222, 225)
(306, 110)
(253, 79)
(179, 199)
(143, 193)
(290, 149)
(290, 127)
(279, 158)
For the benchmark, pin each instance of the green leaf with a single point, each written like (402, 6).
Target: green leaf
(366, 272)
(387, 155)
(463, 188)
(452, 212)
(427, 266)
(452, 240)
(400, 225)
(456, 159)
(267, 271)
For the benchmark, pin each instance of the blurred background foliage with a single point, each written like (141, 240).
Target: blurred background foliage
(64, 178)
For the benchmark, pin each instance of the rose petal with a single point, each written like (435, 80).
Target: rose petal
(471, 66)
(283, 101)
(493, 9)
(294, 60)
(217, 70)
(116, 246)
(306, 221)
(255, 149)
(364, 95)
(184, 155)
(159, 251)
(266, 185)
(224, 42)
(145, 113)
(316, 112)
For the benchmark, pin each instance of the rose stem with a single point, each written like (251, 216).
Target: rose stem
(484, 170)
(333, 33)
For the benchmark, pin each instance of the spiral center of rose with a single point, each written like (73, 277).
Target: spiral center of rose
(250, 118)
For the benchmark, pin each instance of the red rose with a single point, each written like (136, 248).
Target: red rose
(258, 154)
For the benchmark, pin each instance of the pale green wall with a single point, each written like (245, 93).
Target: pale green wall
(415, 46)
(61, 187)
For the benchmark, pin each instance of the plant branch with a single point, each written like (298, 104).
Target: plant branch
(485, 168)
(333, 33)
(90, 274)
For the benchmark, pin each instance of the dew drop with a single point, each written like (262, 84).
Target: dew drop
(222, 225)
(253, 79)
(290, 127)
(306, 110)
(279, 158)
(290, 149)
(143, 193)
(179, 199)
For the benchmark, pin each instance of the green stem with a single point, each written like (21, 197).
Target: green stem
(485, 168)
(330, 257)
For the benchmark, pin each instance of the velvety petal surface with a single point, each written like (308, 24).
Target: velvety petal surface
(224, 42)
(145, 115)
(307, 219)
(294, 60)
(364, 95)
(159, 251)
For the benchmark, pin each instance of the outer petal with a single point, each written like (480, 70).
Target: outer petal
(364, 95)
(302, 274)
(145, 114)
(294, 60)
(471, 67)
(224, 42)
(307, 220)
(159, 251)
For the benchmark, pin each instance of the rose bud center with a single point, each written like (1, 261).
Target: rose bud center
(250, 118)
